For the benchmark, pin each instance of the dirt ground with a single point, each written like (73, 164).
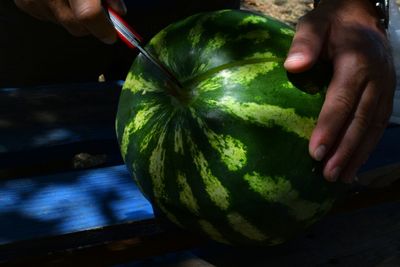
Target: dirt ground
(288, 11)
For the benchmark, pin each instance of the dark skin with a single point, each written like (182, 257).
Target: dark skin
(79, 17)
(345, 33)
(358, 102)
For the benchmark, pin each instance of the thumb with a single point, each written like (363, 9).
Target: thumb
(118, 6)
(307, 44)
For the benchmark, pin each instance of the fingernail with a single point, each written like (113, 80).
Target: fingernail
(319, 153)
(293, 58)
(335, 174)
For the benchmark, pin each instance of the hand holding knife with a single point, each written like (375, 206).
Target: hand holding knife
(133, 40)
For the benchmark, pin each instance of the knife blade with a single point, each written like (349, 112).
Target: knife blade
(131, 38)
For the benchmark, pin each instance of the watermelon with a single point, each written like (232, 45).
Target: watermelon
(227, 154)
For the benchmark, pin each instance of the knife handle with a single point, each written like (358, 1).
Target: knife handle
(123, 37)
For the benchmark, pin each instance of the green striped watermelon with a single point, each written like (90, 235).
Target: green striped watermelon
(228, 155)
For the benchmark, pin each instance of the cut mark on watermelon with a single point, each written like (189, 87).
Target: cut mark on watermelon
(218, 194)
(231, 151)
(257, 36)
(212, 232)
(186, 194)
(245, 71)
(267, 115)
(243, 226)
(280, 190)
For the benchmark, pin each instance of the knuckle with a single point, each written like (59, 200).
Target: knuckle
(362, 122)
(71, 25)
(87, 13)
(343, 104)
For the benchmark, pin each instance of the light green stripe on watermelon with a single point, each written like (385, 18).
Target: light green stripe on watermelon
(141, 118)
(156, 168)
(287, 31)
(279, 190)
(214, 83)
(253, 19)
(245, 74)
(241, 225)
(241, 74)
(218, 194)
(268, 115)
(159, 44)
(186, 194)
(144, 115)
(231, 151)
(155, 131)
(125, 139)
(138, 84)
(212, 232)
(195, 34)
(287, 85)
(268, 56)
(178, 140)
(215, 43)
(257, 36)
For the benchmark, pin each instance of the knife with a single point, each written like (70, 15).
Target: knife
(133, 40)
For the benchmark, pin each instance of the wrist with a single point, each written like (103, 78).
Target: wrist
(380, 7)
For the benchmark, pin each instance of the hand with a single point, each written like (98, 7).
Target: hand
(358, 101)
(79, 17)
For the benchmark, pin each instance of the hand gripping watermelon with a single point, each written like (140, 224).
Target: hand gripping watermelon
(228, 155)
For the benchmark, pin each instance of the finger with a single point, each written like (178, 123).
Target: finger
(118, 5)
(91, 15)
(63, 15)
(342, 96)
(375, 132)
(34, 8)
(307, 43)
(353, 133)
